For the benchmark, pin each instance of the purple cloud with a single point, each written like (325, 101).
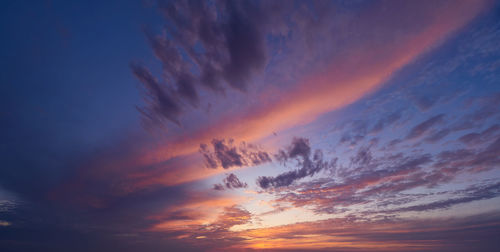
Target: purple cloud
(425, 126)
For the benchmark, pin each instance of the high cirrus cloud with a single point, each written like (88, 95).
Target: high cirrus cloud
(425, 126)
(474, 193)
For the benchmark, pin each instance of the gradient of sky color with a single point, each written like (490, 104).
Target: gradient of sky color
(250, 125)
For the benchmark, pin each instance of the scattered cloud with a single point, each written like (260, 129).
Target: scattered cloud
(230, 182)
(227, 155)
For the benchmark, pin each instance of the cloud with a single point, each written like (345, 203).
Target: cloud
(474, 138)
(218, 187)
(232, 46)
(162, 102)
(438, 135)
(227, 155)
(174, 67)
(366, 177)
(386, 121)
(425, 102)
(190, 212)
(230, 182)
(214, 231)
(301, 151)
(475, 160)
(232, 216)
(473, 193)
(356, 133)
(423, 127)
(486, 108)
(383, 234)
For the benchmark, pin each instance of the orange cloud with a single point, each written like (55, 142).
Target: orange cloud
(345, 234)
(360, 71)
(201, 209)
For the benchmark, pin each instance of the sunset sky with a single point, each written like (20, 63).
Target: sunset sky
(250, 125)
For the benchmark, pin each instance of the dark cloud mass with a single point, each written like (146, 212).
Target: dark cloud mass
(206, 45)
(162, 102)
(299, 150)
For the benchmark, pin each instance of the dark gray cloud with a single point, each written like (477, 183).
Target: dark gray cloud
(161, 101)
(425, 126)
(227, 154)
(231, 181)
(175, 69)
(299, 150)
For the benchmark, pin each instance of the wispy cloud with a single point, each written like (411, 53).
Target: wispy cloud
(425, 126)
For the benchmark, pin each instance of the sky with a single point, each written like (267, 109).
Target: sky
(250, 125)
